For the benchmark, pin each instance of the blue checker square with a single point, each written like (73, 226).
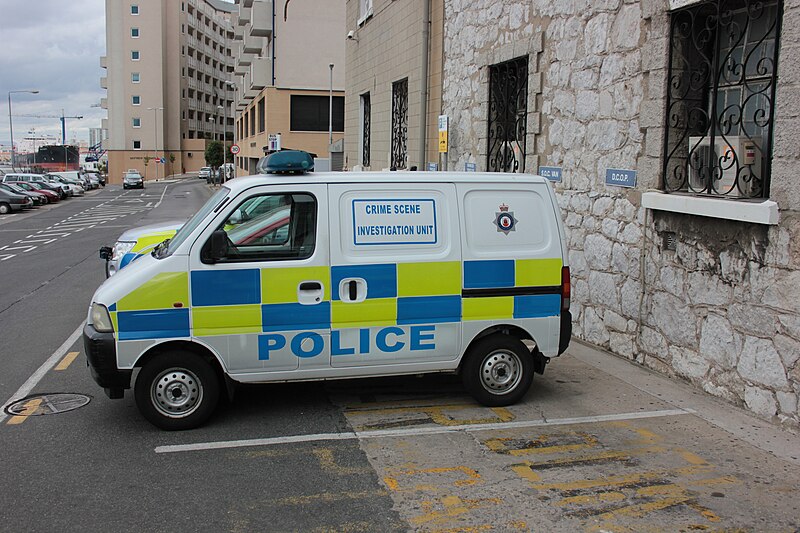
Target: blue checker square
(158, 324)
(226, 287)
(288, 317)
(381, 279)
(428, 309)
(493, 274)
(537, 306)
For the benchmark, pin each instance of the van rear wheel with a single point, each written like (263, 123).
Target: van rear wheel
(177, 390)
(498, 370)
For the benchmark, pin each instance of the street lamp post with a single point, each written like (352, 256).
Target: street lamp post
(330, 108)
(155, 111)
(11, 123)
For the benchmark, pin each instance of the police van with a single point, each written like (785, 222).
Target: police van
(296, 276)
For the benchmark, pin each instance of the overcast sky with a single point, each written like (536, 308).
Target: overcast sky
(54, 46)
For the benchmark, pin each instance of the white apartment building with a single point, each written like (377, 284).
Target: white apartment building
(284, 53)
(168, 64)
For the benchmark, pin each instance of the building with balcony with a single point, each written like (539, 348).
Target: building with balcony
(168, 66)
(283, 76)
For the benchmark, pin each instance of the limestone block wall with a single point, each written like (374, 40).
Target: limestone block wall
(720, 305)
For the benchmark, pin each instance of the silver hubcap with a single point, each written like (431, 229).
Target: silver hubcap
(500, 372)
(176, 393)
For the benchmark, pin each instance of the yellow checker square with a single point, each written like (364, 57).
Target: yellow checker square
(151, 240)
(114, 320)
(369, 313)
(279, 285)
(491, 308)
(226, 320)
(160, 292)
(429, 279)
(538, 272)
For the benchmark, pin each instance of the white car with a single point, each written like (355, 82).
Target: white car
(205, 172)
(74, 188)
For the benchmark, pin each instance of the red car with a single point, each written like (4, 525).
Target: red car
(50, 195)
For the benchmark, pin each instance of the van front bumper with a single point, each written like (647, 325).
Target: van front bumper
(101, 356)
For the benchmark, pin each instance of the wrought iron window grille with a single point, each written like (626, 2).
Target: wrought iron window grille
(508, 115)
(399, 123)
(722, 78)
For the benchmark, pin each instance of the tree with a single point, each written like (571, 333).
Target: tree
(147, 159)
(214, 154)
(171, 163)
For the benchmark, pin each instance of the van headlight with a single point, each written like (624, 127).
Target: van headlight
(101, 320)
(120, 249)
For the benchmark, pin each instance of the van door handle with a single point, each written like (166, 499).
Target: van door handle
(353, 287)
(310, 286)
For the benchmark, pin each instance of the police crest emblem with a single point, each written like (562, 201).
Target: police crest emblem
(504, 220)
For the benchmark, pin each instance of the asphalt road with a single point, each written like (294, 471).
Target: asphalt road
(598, 444)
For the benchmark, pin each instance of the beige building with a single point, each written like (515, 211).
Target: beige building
(394, 65)
(168, 63)
(283, 76)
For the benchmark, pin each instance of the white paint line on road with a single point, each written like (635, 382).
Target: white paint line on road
(417, 431)
(37, 376)
(162, 196)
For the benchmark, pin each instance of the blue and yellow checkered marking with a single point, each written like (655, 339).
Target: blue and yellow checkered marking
(246, 301)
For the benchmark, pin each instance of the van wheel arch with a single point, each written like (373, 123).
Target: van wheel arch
(187, 346)
(539, 360)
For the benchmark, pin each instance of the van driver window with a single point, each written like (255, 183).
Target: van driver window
(268, 227)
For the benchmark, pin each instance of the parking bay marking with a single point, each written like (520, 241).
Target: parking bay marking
(68, 359)
(388, 433)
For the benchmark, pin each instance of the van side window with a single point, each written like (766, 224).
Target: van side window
(270, 227)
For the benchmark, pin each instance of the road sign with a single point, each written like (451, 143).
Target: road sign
(234, 149)
(274, 142)
(551, 173)
(442, 134)
(620, 177)
(163, 159)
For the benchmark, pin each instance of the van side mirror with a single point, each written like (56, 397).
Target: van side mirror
(218, 246)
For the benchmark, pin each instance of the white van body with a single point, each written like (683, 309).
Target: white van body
(349, 275)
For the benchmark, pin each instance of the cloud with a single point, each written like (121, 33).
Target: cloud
(53, 46)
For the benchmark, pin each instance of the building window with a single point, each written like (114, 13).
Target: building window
(136, 122)
(508, 112)
(135, 77)
(399, 123)
(721, 98)
(135, 33)
(310, 113)
(366, 117)
(261, 116)
(136, 100)
(137, 145)
(252, 120)
(364, 10)
(135, 55)
(134, 9)
(183, 28)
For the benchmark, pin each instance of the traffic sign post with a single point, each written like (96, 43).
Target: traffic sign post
(234, 149)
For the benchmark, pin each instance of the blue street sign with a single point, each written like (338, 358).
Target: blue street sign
(163, 160)
(551, 173)
(470, 167)
(620, 177)
(433, 167)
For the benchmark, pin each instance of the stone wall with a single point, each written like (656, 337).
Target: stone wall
(714, 302)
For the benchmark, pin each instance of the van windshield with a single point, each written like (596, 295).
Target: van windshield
(193, 222)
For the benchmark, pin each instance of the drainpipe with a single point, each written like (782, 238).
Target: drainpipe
(273, 44)
(423, 109)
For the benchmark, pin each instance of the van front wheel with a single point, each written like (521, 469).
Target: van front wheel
(177, 390)
(498, 370)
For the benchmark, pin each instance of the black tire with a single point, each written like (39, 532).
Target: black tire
(177, 390)
(497, 370)
(4, 208)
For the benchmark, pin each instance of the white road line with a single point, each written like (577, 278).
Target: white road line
(37, 376)
(162, 196)
(416, 431)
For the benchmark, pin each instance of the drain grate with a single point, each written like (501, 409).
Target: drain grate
(48, 404)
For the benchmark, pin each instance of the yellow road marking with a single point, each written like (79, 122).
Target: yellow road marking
(30, 407)
(68, 359)
(592, 499)
(499, 445)
(329, 464)
(392, 482)
(437, 413)
(453, 507)
(330, 497)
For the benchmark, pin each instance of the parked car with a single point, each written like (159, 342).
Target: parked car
(10, 201)
(132, 179)
(73, 176)
(62, 188)
(38, 199)
(74, 188)
(50, 195)
(99, 176)
(205, 172)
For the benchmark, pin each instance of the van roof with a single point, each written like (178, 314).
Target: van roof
(245, 182)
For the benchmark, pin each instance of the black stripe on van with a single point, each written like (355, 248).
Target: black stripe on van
(509, 291)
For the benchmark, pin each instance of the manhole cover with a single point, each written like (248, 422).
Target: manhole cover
(48, 404)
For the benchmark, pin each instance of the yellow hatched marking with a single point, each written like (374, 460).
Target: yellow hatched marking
(453, 506)
(30, 408)
(438, 415)
(429, 279)
(499, 445)
(538, 272)
(329, 464)
(472, 477)
(592, 499)
(68, 359)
